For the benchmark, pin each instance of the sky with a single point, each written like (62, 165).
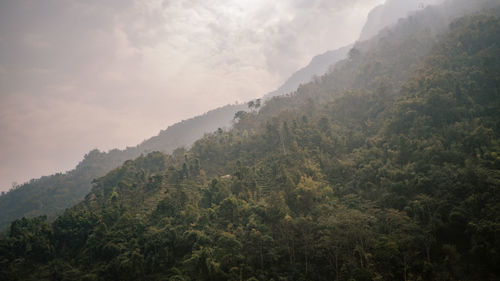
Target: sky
(82, 74)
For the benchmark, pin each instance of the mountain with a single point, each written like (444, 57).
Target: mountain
(380, 17)
(365, 173)
(50, 195)
(389, 13)
(318, 66)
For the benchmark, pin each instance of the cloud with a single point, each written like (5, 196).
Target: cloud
(75, 74)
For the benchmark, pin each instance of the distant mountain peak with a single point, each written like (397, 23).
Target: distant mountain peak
(389, 13)
(379, 18)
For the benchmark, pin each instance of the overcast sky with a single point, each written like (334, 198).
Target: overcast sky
(82, 74)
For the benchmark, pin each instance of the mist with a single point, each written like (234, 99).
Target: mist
(77, 75)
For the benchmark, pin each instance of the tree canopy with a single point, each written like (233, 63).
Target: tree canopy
(386, 175)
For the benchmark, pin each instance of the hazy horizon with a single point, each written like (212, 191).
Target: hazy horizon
(78, 75)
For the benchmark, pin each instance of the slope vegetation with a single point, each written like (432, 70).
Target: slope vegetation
(51, 195)
(390, 174)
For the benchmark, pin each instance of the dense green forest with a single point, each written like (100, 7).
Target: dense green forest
(51, 195)
(386, 168)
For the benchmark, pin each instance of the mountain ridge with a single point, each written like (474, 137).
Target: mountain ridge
(50, 195)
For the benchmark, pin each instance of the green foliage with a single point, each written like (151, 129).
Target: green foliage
(51, 195)
(393, 182)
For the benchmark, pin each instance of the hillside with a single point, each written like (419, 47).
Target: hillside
(388, 14)
(318, 66)
(381, 17)
(50, 195)
(386, 168)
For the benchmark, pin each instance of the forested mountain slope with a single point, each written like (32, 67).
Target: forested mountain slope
(388, 176)
(50, 195)
(383, 16)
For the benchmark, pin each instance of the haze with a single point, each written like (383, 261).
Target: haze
(77, 75)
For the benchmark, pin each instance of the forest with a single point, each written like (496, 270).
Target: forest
(51, 195)
(385, 168)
